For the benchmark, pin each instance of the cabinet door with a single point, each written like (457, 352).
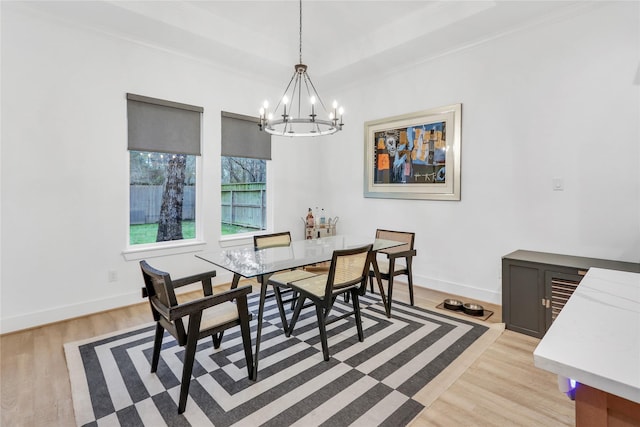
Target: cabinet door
(523, 298)
(559, 287)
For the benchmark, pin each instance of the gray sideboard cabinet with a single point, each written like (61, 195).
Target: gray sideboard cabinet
(536, 285)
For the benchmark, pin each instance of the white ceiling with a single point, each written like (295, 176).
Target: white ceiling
(341, 40)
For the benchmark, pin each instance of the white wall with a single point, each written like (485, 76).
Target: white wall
(65, 167)
(554, 101)
(557, 100)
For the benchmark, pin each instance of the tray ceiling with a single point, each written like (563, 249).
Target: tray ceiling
(341, 40)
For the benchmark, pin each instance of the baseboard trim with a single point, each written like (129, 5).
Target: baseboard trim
(67, 312)
(459, 289)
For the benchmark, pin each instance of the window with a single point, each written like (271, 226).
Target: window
(245, 151)
(164, 144)
(162, 200)
(244, 195)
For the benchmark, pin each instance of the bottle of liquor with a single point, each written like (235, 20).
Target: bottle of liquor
(310, 219)
(323, 219)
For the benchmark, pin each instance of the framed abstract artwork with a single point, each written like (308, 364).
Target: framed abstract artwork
(414, 156)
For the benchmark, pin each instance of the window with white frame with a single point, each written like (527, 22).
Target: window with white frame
(164, 144)
(245, 151)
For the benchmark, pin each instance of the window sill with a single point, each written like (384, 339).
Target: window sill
(162, 249)
(236, 240)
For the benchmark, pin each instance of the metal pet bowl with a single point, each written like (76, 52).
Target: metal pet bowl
(473, 309)
(452, 304)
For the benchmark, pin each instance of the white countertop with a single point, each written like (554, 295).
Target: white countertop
(595, 339)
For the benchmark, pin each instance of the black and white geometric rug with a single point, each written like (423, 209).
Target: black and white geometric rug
(384, 380)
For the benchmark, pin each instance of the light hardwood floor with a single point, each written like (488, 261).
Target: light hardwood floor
(501, 388)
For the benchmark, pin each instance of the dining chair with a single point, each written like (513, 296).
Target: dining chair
(347, 274)
(190, 321)
(280, 281)
(395, 261)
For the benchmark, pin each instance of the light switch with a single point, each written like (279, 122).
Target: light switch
(558, 184)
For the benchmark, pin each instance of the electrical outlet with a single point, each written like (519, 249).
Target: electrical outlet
(112, 276)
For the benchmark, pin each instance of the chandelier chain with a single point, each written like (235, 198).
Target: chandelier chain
(300, 34)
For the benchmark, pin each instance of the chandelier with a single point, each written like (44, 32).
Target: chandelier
(298, 116)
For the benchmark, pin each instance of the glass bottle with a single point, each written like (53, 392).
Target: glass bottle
(310, 219)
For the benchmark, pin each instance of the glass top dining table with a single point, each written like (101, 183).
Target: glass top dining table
(249, 262)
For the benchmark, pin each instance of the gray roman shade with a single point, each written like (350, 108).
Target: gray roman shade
(163, 126)
(241, 137)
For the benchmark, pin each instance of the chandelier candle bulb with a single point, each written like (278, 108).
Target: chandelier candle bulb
(313, 111)
(264, 113)
(285, 100)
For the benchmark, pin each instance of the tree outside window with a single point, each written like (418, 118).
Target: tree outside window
(162, 197)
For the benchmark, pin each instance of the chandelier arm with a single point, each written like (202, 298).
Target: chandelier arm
(313, 91)
(285, 91)
(308, 77)
(299, 95)
(306, 85)
(296, 86)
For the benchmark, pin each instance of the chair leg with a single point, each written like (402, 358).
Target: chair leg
(356, 312)
(296, 313)
(189, 357)
(390, 290)
(278, 295)
(157, 345)
(371, 284)
(410, 281)
(243, 313)
(323, 332)
(410, 290)
(217, 339)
